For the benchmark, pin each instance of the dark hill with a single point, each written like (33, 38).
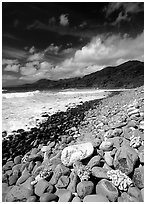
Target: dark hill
(127, 75)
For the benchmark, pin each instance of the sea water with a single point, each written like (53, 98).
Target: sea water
(22, 110)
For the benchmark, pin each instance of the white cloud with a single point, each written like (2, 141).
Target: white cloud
(32, 50)
(36, 56)
(12, 68)
(8, 77)
(52, 49)
(64, 20)
(99, 53)
(9, 61)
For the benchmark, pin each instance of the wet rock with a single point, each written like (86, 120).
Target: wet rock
(73, 182)
(50, 188)
(27, 183)
(141, 156)
(12, 179)
(106, 146)
(76, 152)
(83, 171)
(9, 172)
(107, 189)
(142, 193)
(125, 159)
(135, 192)
(58, 172)
(141, 125)
(25, 175)
(117, 132)
(32, 199)
(108, 158)
(8, 166)
(85, 188)
(94, 161)
(131, 123)
(99, 172)
(17, 160)
(125, 197)
(31, 166)
(96, 142)
(48, 197)
(117, 141)
(18, 193)
(65, 196)
(63, 182)
(138, 177)
(40, 187)
(76, 199)
(95, 198)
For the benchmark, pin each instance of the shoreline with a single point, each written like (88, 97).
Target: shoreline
(91, 124)
(40, 104)
(70, 114)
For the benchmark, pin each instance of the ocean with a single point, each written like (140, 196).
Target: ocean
(23, 110)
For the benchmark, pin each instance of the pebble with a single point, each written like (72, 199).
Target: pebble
(106, 146)
(94, 161)
(63, 182)
(125, 159)
(40, 187)
(99, 172)
(73, 182)
(85, 188)
(17, 160)
(107, 189)
(95, 198)
(58, 172)
(74, 153)
(18, 193)
(25, 175)
(138, 177)
(135, 192)
(108, 158)
(48, 197)
(13, 179)
(76, 199)
(65, 196)
(32, 199)
(142, 193)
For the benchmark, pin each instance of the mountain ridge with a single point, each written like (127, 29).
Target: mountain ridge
(129, 74)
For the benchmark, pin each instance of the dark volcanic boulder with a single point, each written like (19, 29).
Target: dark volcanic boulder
(125, 159)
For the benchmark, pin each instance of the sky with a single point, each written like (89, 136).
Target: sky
(57, 40)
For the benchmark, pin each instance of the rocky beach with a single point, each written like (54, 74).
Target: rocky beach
(92, 152)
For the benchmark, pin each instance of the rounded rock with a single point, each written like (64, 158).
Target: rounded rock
(85, 188)
(99, 172)
(95, 198)
(94, 161)
(106, 146)
(107, 189)
(108, 158)
(76, 199)
(17, 160)
(32, 199)
(48, 197)
(40, 187)
(75, 153)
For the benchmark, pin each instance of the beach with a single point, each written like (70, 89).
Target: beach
(75, 155)
(23, 110)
